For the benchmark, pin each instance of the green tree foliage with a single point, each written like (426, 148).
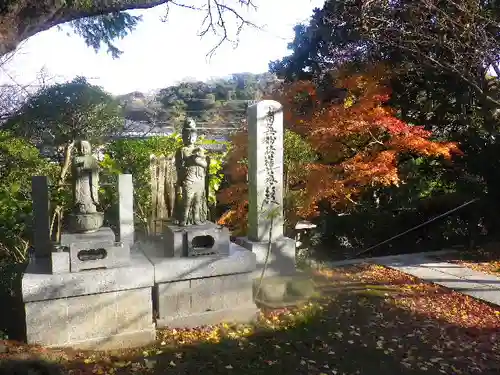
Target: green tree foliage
(58, 115)
(19, 160)
(141, 107)
(332, 38)
(297, 153)
(217, 103)
(133, 156)
(439, 79)
(297, 150)
(456, 39)
(193, 99)
(104, 29)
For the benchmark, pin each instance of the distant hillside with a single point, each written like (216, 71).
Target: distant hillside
(217, 103)
(140, 107)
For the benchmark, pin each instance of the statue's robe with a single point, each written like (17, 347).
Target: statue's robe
(191, 187)
(85, 183)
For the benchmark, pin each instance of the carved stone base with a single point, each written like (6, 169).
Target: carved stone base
(196, 240)
(95, 250)
(86, 223)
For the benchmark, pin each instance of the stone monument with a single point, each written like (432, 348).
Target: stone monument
(200, 276)
(281, 284)
(190, 233)
(89, 291)
(265, 190)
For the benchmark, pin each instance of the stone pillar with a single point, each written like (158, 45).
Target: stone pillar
(265, 191)
(126, 209)
(265, 170)
(41, 216)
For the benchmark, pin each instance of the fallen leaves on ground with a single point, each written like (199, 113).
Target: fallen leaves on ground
(427, 299)
(486, 259)
(369, 317)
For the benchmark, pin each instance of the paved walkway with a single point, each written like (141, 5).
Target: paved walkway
(453, 276)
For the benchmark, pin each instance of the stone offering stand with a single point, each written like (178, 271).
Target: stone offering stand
(195, 276)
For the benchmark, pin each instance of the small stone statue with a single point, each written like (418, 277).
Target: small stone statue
(191, 164)
(85, 178)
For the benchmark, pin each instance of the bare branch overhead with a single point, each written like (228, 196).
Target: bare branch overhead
(21, 19)
(461, 37)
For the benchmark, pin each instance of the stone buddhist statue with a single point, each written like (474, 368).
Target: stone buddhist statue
(191, 164)
(85, 181)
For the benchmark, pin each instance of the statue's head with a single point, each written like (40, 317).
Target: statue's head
(84, 148)
(189, 134)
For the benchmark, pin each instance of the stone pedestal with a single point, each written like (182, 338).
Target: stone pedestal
(194, 291)
(93, 250)
(86, 223)
(196, 240)
(281, 260)
(94, 309)
(282, 281)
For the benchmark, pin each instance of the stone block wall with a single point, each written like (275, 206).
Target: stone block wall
(114, 308)
(210, 300)
(94, 309)
(96, 321)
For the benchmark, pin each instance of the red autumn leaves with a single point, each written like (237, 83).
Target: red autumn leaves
(358, 141)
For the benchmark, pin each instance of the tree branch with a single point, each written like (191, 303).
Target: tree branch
(451, 69)
(214, 19)
(457, 37)
(26, 18)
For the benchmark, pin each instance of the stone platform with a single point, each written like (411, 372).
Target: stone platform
(94, 309)
(194, 291)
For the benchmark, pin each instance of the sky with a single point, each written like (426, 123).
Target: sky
(158, 54)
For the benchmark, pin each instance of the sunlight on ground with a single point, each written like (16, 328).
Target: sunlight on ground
(479, 259)
(363, 316)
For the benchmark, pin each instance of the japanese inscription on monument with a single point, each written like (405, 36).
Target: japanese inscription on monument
(269, 159)
(265, 170)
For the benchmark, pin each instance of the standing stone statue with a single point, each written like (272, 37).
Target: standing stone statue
(85, 179)
(191, 164)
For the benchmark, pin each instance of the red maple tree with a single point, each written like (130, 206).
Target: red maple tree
(358, 141)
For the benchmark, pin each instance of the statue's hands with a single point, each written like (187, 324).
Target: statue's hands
(201, 161)
(199, 151)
